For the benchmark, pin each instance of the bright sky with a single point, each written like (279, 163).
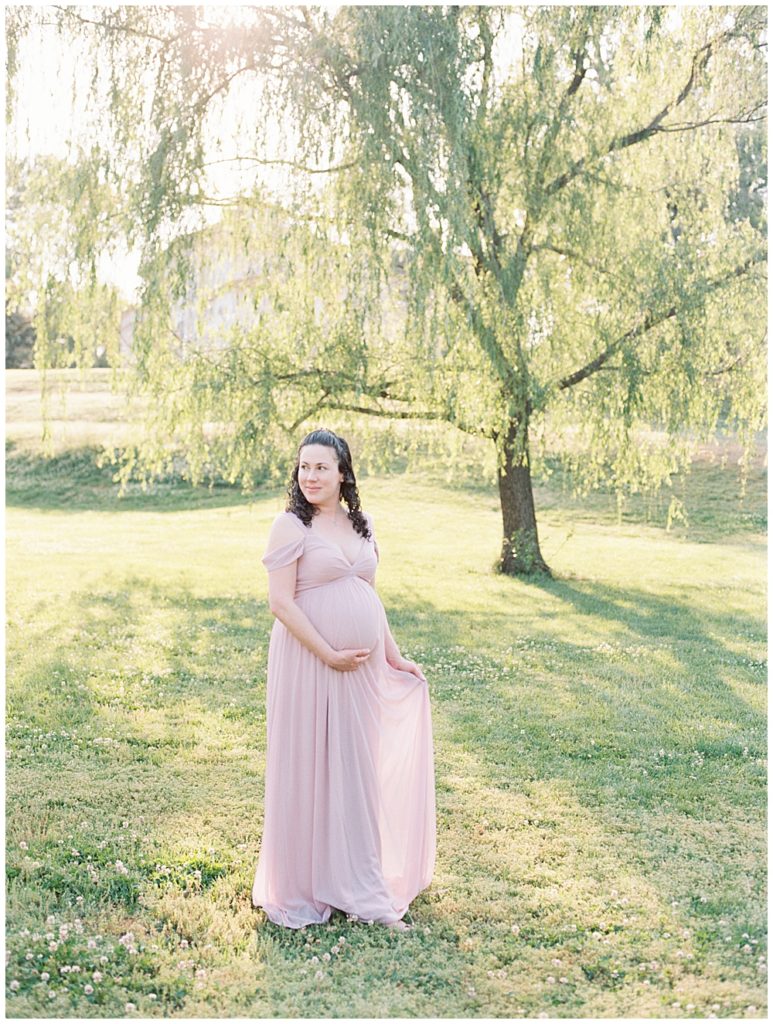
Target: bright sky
(50, 117)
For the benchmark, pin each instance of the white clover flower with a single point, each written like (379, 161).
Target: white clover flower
(97, 976)
(29, 956)
(319, 975)
(45, 976)
(53, 946)
(14, 985)
(23, 845)
(130, 1007)
(88, 989)
(326, 957)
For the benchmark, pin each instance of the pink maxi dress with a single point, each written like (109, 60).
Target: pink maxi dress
(349, 816)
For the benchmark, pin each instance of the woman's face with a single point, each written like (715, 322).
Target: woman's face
(318, 474)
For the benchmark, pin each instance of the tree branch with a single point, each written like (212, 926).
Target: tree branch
(579, 67)
(652, 320)
(71, 12)
(573, 255)
(443, 416)
(283, 163)
(319, 404)
(698, 63)
(404, 414)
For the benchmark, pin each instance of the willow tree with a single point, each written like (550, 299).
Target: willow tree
(546, 191)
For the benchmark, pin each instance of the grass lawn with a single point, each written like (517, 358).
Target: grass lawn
(600, 751)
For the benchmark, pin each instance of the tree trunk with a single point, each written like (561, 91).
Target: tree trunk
(521, 554)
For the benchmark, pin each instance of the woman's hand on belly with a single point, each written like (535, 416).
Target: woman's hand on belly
(349, 659)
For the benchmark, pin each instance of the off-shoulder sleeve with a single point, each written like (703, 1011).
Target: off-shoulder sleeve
(285, 553)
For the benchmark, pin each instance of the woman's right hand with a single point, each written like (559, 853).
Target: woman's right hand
(349, 659)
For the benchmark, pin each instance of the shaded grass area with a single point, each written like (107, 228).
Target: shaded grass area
(79, 479)
(717, 504)
(599, 748)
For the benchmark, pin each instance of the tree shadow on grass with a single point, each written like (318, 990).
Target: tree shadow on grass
(601, 746)
(179, 681)
(664, 675)
(664, 671)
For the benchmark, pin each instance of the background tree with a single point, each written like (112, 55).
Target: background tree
(553, 186)
(19, 340)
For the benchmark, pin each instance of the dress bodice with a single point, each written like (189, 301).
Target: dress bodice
(320, 561)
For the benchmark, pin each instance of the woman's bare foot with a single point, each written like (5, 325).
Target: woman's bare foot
(400, 926)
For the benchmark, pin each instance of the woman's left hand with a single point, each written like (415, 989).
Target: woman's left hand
(404, 665)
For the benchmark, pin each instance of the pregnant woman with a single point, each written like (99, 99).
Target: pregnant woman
(349, 819)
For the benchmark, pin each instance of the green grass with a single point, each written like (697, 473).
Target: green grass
(600, 752)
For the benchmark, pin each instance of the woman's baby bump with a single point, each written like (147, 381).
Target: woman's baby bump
(347, 612)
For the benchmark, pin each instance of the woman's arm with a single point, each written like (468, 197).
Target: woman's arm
(390, 645)
(391, 650)
(395, 659)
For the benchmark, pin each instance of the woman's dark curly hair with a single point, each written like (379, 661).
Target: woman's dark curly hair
(296, 501)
